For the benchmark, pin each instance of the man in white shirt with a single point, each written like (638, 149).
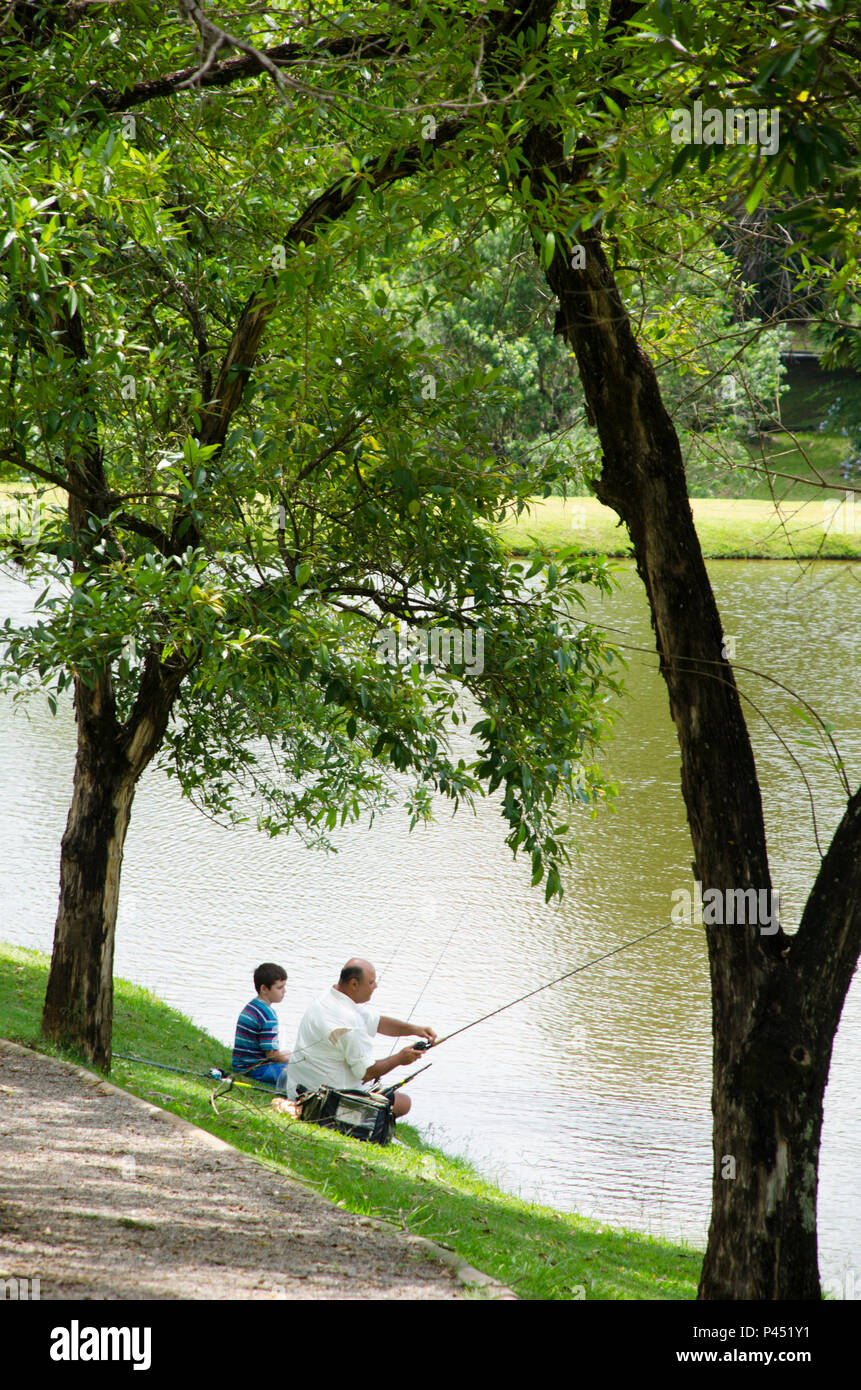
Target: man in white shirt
(335, 1041)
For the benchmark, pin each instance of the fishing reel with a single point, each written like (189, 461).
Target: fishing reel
(421, 1046)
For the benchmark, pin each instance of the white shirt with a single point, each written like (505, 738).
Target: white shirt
(334, 1044)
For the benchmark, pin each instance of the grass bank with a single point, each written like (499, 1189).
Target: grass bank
(804, 524)
(540, 1253)
(728, 528)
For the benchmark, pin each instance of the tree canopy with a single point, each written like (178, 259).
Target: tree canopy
(227, 244)
(251, 528)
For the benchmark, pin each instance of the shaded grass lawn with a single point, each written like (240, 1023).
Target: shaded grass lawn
(540, 1253)
(728, 528)
(802, 455)
(801, 467)
(801, 520)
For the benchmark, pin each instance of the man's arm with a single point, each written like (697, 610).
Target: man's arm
(396, 1028)
(404, 1058)
(276, 1057)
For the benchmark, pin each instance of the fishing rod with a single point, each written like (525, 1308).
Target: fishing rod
(423, 1045)
(412, 1076)
(214, 1074)
(388, 1092)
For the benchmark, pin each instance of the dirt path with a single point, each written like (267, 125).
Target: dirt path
(103, 1196)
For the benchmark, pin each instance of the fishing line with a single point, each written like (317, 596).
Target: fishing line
(439, 959)
(434, 970)
(567, 976)
(389, 963)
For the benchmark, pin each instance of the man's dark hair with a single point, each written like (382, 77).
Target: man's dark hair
(268, 974)
(350, 972)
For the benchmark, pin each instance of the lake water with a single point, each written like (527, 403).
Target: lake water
(592, 1096)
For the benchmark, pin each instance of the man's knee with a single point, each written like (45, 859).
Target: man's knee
(402, 1105)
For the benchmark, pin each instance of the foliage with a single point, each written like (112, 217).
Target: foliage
(500, 318)
(259, 525)
(721, 379)
(261, 531)
(235, 373)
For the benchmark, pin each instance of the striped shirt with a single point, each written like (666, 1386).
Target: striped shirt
(256, 1034)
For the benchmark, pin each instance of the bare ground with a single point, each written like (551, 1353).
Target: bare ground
(105, 1197)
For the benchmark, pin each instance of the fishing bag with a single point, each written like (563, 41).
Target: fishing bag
(361, 1114)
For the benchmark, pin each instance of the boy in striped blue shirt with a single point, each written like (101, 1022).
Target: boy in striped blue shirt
(255, 1049)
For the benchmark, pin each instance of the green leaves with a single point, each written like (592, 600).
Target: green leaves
(368, 433)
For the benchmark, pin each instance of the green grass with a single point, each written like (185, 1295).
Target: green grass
(807, 523)
(805, 456)
(540, 1253)
(800, 465)
(737, 517)
(728, 528)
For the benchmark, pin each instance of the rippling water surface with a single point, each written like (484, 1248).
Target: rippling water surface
(592, 1096)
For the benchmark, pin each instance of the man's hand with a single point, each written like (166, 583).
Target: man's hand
(427, 1033)
(404, 1058)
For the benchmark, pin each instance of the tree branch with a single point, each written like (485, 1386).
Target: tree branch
(359, 48)
(331, 205)
(826, 947)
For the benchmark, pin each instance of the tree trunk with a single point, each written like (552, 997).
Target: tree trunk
(774, 1010)
(767, 1101)
(770, 1072)
(78, 1009)
(79, 999)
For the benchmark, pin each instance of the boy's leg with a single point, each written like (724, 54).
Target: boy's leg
(270, 1072)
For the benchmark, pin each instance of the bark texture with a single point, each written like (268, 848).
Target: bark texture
(774, 1011)
(110, 758)
(79, 999)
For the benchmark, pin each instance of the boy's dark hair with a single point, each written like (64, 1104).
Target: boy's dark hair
(268, 974)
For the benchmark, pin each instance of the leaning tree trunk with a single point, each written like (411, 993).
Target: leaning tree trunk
(111, 756)
(774, 1012)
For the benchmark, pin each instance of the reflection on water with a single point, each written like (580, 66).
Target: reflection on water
(591, 1096)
